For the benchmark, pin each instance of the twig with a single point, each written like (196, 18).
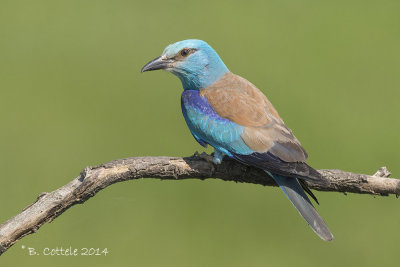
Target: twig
(91, 180)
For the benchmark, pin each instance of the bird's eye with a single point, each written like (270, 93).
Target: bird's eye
(185, 52)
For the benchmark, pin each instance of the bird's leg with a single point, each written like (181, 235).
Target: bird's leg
(215, 158)
(218, 156)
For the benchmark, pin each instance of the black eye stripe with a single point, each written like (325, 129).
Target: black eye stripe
(186, 52)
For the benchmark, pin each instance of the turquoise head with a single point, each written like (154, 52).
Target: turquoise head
(195, 63)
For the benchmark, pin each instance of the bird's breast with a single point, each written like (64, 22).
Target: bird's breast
(205, 123)
(191, 100)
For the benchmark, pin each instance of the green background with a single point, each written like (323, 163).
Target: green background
(72, 95)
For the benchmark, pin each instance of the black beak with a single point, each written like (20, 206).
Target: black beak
(156, 64)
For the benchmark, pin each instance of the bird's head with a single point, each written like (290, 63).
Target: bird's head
(193, 61)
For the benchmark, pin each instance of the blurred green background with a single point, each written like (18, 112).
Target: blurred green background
(72, 95)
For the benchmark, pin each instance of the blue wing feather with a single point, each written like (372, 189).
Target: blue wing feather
(224, 135)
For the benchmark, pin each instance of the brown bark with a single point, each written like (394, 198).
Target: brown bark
(48, 206)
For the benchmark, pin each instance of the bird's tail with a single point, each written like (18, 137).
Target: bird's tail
(293, 190)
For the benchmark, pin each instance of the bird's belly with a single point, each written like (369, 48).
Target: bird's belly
(206, 125)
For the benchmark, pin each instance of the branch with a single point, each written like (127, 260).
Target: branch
(91, 180)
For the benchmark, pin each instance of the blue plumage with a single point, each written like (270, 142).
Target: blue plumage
(209, 128)
(201, 69)
(230, 114)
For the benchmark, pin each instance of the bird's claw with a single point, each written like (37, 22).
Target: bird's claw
(214, 158)
(205, 156)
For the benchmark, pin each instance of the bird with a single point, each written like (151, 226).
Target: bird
(233, 116)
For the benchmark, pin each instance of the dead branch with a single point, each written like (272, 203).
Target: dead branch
(91, 180)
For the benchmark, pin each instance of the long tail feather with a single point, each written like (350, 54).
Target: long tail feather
(294, 191)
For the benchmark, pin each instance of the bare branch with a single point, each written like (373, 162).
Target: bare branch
(93, 179)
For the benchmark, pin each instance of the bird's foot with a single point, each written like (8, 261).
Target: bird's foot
(218, 156)
(214, 159)
(205, 156)
(208, 158)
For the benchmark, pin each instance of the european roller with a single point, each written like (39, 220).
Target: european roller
(229, 113)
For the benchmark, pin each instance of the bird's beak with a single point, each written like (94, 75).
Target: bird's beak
(158, 63)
